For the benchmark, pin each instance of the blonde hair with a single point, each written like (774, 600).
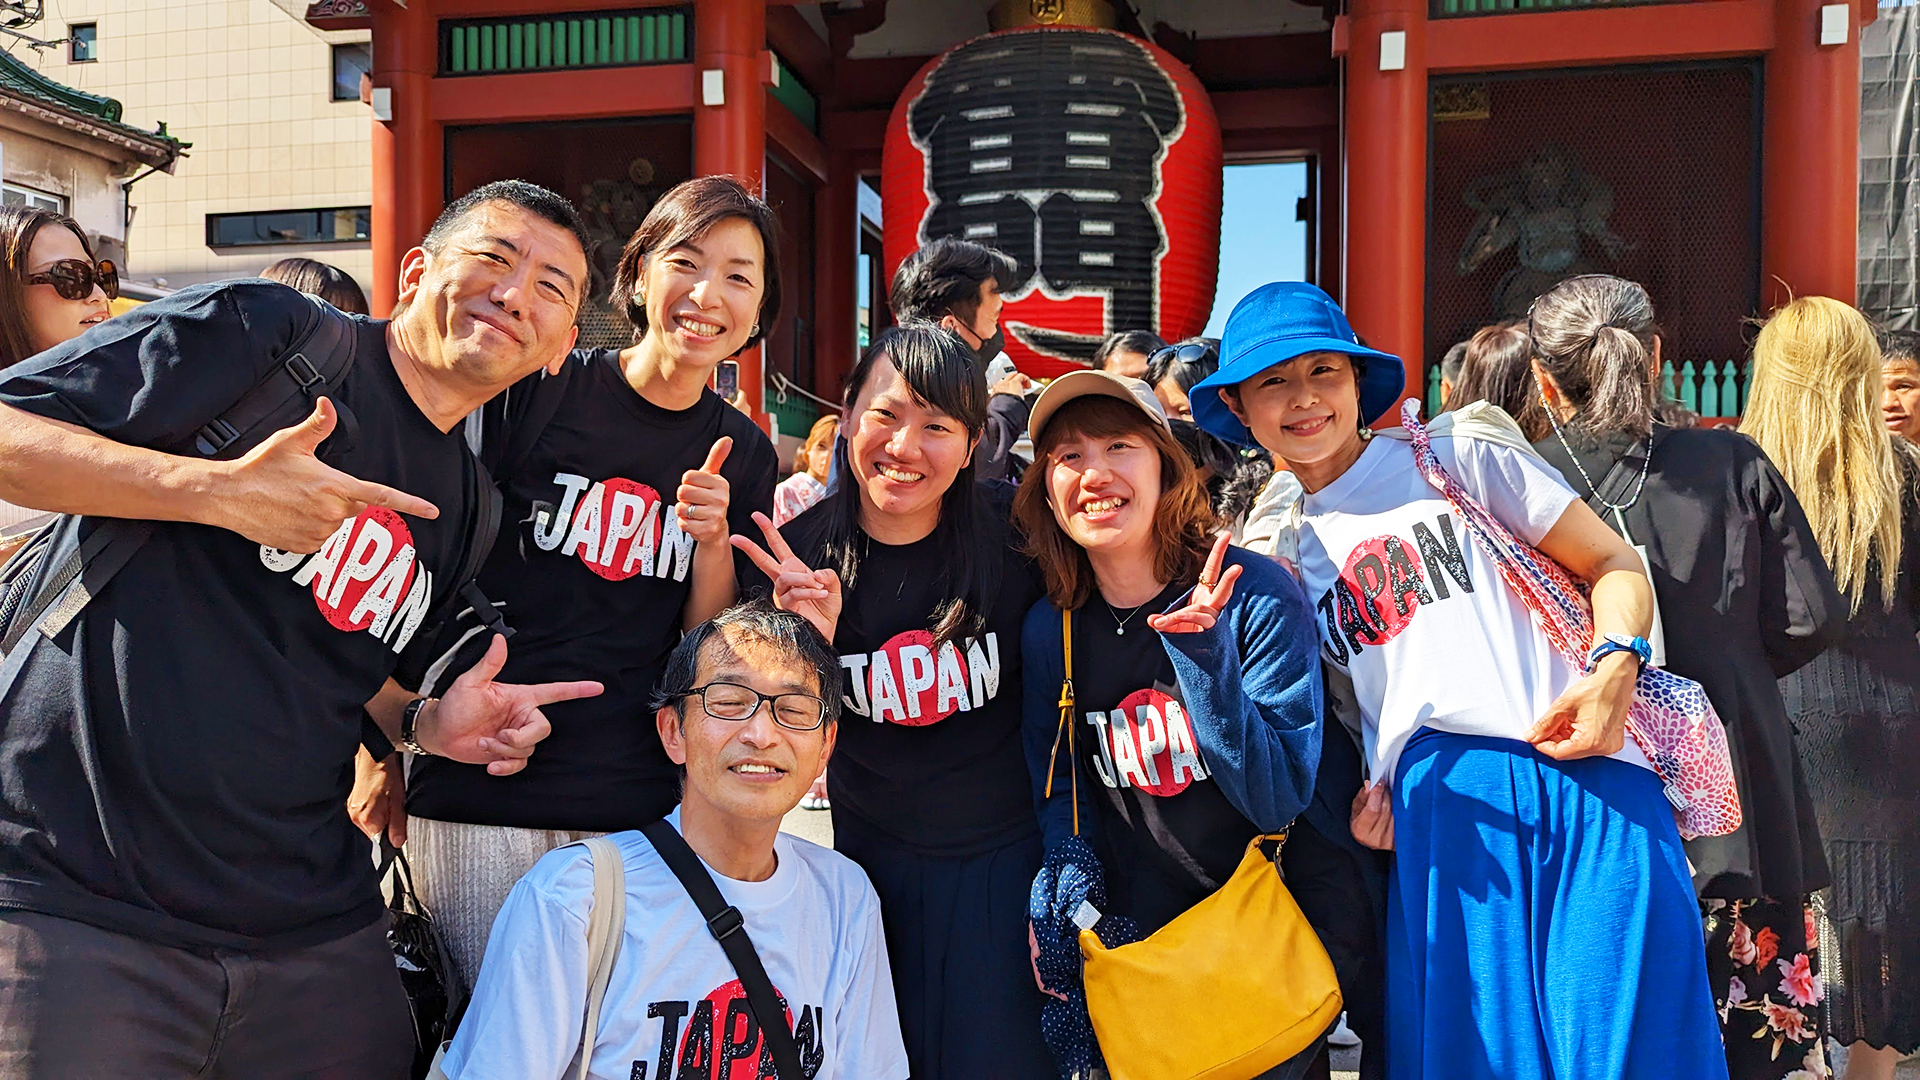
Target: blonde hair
(1814, 407)
(822, 431)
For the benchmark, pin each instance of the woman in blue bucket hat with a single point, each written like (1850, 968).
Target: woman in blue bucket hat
(1541, 920)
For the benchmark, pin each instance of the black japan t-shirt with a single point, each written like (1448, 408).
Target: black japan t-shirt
(929, 754)
(1167, 835)
(175, 766)
(592, 571)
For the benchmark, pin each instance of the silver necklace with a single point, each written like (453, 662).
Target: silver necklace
(1591, 486)
(1120, 624)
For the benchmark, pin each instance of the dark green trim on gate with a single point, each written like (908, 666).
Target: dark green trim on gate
(627, 38)
(793, 93)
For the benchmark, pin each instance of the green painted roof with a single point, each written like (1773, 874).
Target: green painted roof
(17, 78)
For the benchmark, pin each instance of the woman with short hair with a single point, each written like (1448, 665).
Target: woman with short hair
(1816, 391)
(808, 484)
(1711, 512)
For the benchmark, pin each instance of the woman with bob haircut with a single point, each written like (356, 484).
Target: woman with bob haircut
(1856, 708)
(921, 588)
(623, 476)
(1541, 920)
(1195, 675)
(808, 484)
(324, 280)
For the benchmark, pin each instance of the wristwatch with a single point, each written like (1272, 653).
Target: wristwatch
(409, 719)
(1613, 643)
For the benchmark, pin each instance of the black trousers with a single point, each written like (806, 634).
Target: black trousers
(79, 1001)
(1329, 883)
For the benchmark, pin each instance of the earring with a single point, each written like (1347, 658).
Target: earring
(1366, 433)
(755, 332)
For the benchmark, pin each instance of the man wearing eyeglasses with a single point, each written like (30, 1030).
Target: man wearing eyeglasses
(749, 707)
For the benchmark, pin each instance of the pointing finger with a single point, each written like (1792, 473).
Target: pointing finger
(381, 495)
(1214, 559)
(718, 455)
(548, 693)
(1223, 590)
(775, 542)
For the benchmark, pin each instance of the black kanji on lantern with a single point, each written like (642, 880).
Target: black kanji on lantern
(1047, 146)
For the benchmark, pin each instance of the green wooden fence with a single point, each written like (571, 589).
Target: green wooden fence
(1710, 389)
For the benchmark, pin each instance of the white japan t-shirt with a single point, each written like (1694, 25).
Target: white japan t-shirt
(1411, 607)
(674, 1006)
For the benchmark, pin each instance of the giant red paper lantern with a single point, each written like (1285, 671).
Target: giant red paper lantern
(1090, 157)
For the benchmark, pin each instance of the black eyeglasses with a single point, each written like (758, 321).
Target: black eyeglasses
(74, 279)
(1193, 352)
(731, 701)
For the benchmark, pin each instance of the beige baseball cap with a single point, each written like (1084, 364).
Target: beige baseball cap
(1076, 384)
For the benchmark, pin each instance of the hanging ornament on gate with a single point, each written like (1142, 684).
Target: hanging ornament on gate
(1090, 157)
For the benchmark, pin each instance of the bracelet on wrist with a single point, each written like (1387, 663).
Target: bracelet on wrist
(410, 723)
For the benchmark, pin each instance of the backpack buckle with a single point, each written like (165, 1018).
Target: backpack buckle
(305, 375)
(215, 437)
(727, 921)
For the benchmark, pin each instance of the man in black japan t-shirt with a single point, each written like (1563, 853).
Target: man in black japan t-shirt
(174, 764)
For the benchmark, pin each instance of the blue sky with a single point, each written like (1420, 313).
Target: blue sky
(1259, 239)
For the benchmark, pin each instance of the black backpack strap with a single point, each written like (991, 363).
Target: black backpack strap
(319, 356)
(59, 591)
(730, 930)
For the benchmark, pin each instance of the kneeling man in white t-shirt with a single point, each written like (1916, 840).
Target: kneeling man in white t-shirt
(749, 706)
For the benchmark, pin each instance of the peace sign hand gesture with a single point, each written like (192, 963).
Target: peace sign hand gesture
(812, 594)
(1208, 598)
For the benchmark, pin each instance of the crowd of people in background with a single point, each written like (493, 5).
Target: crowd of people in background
(550, 627)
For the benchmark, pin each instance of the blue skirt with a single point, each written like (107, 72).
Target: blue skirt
(1541, 923)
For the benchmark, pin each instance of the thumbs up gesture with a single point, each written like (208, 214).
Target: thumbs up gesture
(702, 499)
(281, 495)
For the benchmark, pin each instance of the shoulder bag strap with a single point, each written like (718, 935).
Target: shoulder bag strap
(1065, 726)
(606, 925)
(729, 929)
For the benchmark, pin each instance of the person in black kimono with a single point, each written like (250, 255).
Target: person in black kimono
(1816, 408)
(1744, 597)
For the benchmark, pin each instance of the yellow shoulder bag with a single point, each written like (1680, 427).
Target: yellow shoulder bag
(1230, 988)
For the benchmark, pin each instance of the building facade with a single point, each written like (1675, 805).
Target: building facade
(1463, 153)
(69, 152)
(281, 157)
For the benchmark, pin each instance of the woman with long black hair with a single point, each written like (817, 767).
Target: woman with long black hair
(913, 571)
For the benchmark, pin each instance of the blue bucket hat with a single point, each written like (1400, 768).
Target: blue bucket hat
(1277, 322)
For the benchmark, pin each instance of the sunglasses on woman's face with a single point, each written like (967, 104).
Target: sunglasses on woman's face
(74, 279)
(1190, 353)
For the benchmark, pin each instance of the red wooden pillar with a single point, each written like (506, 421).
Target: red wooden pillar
(1810, 172)
(1386, 181)
(730, 138)
(836, 218)
(408, 158)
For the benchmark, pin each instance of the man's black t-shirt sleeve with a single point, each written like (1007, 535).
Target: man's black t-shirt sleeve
(154, 376)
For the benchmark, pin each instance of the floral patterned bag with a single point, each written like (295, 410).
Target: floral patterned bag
(1671, 720)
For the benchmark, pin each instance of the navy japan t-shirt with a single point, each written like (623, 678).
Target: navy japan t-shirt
(1167, 835)
(592, 572)
(929, 754)
(175, 765)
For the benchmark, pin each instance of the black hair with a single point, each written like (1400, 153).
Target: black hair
(530, 197)
(328, 282)
(1161, 364)
(943, 277)
(1453, 361)
(1238, 474)
(1900, 345)
(943, 374)
(789, 635)
(682, 216)
(1143, 342)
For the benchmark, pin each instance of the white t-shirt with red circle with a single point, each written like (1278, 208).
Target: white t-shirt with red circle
(1411, 607)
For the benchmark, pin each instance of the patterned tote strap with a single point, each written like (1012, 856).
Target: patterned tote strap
(1540, 582)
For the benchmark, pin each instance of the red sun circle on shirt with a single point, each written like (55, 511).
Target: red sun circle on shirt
(738, 1042)
(629, 517)
(1385, 574)
(913, 667)
(374, 561)
(1159, 734)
